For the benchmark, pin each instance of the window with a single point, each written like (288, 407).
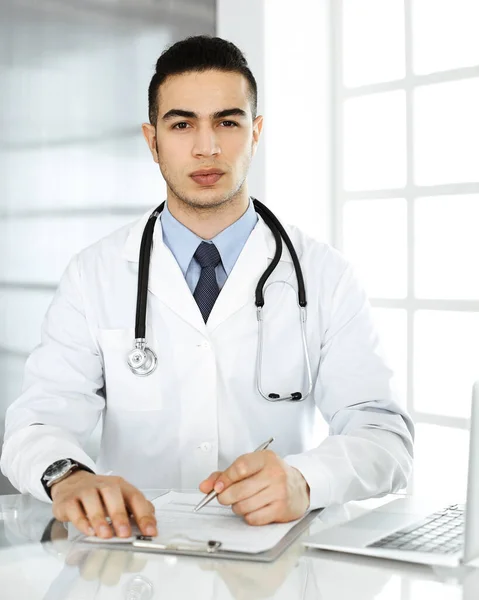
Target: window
(406, 209)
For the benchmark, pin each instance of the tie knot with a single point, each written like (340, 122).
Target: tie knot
(207, 255)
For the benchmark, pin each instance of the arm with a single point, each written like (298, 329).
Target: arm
(370, 447)
(61, 400)
(369, 450)
(60, 406)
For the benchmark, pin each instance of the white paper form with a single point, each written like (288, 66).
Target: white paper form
(177, 523)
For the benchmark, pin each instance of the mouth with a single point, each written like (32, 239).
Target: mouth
(206, 177)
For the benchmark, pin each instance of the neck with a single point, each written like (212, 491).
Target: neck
(208, 221)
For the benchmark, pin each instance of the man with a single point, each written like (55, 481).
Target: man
(199, 414)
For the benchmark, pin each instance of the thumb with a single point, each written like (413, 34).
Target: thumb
(207, 485)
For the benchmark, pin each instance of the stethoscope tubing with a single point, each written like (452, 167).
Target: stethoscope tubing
(143, 361)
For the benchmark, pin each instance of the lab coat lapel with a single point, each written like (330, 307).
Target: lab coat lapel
(166, 280)
(168, 283)
(240, 286)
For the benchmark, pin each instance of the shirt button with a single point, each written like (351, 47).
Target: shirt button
(205, 446)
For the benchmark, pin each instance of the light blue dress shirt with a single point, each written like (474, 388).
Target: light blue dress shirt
(183, 244)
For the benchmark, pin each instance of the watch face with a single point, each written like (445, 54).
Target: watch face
(57, 468)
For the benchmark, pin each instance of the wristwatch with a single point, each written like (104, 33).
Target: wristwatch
(59, 470)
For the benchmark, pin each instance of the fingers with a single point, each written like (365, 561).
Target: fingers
(142, 510)
(266, 514)
(244, 489)
(76, 515)
(206, 486)
(89, 501)
(243, 467)
(115, 506)
(95, 512)
(261, 487)
(254, 502)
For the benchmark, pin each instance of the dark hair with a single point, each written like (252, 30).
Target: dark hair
(199, 53)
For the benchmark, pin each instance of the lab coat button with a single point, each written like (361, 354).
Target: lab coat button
(205, 446)
(204, 345)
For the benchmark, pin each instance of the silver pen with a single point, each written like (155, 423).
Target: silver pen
(213, 494)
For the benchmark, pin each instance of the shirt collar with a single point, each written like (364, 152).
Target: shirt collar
(183, 242)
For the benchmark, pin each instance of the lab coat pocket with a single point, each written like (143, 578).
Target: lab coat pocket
(125, 390)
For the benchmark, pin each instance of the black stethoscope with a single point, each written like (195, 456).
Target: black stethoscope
(143, 361)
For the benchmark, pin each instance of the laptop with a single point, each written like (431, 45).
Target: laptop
(413, 529)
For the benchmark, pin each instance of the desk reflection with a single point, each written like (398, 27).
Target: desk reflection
(97, 573)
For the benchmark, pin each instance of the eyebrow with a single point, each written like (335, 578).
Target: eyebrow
(188, 114)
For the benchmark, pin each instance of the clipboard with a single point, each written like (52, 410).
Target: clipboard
(212, 548)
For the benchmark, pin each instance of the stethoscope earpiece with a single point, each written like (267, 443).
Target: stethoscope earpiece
(294, 397)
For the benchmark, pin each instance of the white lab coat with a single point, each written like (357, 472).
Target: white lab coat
(201, 409)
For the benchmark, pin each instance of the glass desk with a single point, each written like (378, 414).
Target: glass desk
(38, 562)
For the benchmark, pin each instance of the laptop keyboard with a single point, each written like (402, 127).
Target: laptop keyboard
(441, 533)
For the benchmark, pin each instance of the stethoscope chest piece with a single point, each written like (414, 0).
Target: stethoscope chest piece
(142, 360)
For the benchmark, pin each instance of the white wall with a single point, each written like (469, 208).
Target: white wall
(243, 24)
(287, 47)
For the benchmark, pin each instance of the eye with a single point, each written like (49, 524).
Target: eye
(229, 123)
(177, 125)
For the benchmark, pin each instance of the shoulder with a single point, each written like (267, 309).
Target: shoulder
(330, 276)
(316, 254)
(332, 283)
(114, 247)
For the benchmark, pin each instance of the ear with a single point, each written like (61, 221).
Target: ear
(257, 128)
(149, 133)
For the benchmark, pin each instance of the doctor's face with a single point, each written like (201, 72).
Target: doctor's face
(204, 125)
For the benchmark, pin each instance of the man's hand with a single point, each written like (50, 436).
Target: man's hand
(262, 488)
(86, 500)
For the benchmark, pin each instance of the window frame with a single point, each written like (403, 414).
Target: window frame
(411, 191)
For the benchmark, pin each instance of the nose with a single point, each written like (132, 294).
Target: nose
(206, 143)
